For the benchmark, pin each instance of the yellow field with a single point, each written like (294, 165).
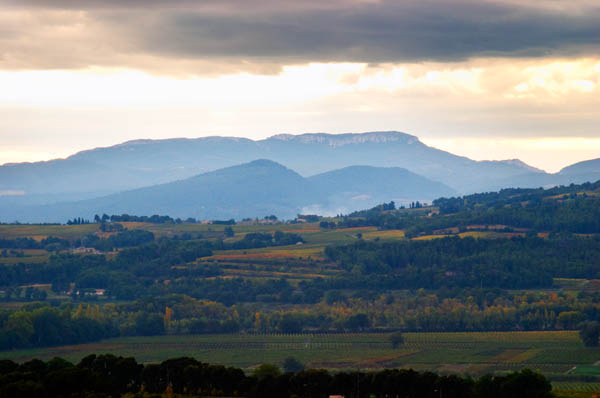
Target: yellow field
(385, 234)
(475, 234)
(430, 237)
(268, 252)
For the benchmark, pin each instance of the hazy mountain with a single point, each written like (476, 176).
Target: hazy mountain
(588, 170)
(578, 173)
(587, 166)
(254, 189)
(130, 165)
(323, 152)
(142, 163)
(359, 187)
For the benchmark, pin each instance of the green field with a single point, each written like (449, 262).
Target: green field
(470, 353)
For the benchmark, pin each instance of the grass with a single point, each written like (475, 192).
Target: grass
(473, 353)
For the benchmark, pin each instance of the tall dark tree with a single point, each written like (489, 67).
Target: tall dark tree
(589, 333)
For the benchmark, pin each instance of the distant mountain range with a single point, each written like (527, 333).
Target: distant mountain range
(401, 167)
(258, 188)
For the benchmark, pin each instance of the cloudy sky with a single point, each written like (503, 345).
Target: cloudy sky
(486, 79)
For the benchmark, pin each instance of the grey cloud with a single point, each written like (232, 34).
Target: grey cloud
(272, 32)
(385, 32)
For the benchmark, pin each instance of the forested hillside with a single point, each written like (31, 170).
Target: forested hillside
(510, 260)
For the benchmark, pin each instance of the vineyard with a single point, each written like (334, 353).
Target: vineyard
(551, 353)
(576, 390)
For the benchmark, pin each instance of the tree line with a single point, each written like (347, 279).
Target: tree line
(51, 324)
(570, 209)
(106, 375)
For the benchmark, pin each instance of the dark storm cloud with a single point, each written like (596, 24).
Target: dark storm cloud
(346, 31)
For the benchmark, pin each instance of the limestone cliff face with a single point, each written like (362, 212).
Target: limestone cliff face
(337, 140)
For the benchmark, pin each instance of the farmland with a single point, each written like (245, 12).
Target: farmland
(556, 354)
(39, 232)
(471, 292)
(265, 262)
(250, 263)
(551, 353)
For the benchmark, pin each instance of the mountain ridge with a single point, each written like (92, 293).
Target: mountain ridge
(145, 162)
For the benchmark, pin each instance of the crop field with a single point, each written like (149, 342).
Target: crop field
(430, 237)
(39, 232)
(208, 229)
(472, 353)
(30, 256)
(384, 234)
(296, 251)
(296, 262)
(336, 236)
(314, 236)
(476, 234)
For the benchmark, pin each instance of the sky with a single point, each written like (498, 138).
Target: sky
(486, 79)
